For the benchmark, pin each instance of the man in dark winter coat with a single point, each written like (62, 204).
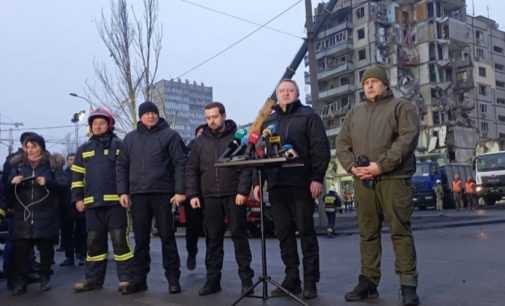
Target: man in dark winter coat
(376, 145)
(94, 192)
(223, 193)
(292, 190)
(151, 172)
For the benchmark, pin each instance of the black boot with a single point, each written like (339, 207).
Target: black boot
(19, 289)
(133, 287)
(292, 286)
(210, 287)
(365, 289)
(44, 283)
(409, 296)
(174, 287)
(86, 286)
(309, 290)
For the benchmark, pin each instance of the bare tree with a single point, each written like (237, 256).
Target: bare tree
(134, 46)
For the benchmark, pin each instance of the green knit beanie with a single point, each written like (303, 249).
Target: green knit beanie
(377, 72)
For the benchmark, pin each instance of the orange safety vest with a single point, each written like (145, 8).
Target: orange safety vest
(470, 187)
(457, 186)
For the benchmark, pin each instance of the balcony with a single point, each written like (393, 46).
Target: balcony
(334, 71)
(341, 47)
(336, 91)
(335, 29)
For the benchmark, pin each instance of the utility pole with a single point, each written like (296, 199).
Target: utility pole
(311, 41)
(11, 133)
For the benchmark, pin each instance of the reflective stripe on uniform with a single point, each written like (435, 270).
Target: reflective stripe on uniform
(77, 184)
(117, 151)
(106, 152)
(123, 257)
(111, 197)
(100, 257)
(2, 212)
(78, 169)
(89, 200)
(88, 154)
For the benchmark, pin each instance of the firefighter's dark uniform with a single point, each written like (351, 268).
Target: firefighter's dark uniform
(94, 182)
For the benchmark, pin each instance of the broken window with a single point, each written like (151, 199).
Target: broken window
(360, 12)
(482, 71)
(361, 75)
(499, 67)
(361, 33)
(501, 118)
(436, 118)
(500, 101)
(498, 49)
(432, 51)
(344, 81)
(482, 90)
(431, 10)
(433, 73)
(500, 84)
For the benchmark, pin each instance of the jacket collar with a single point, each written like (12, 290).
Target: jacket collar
(229, 128)
(290, 108)
(160, 125)
(386, 96)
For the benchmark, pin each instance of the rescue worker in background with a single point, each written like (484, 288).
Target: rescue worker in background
(457, 192)
(292, 190)
(94, 192)
(383, 130)
(35, 181)
(331, 202)
(194, 217)
(222, 193)
(471, 193)
(151, 172)
(74, 226)
(439, 193)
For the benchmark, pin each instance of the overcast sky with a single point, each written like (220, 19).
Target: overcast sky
(47, 49)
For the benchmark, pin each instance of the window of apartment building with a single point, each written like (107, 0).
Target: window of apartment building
(361, 33)
(482, 90)
(344, 81)
(482, 71)
(480, 52)
(431, 9)
(483, 108)
(360, 12)
(500, 101)
(478, 35)
(484, 126)
(500, 84)
(501, 118)
(362, 54)
(499, 67)
(432, 54)
(436, 118)
(498, 49)
(433, 73)
(361, 75)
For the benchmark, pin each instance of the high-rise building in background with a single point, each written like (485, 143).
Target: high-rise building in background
(450, 64)
(182, 103)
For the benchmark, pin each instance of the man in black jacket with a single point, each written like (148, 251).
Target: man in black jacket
(292, 190)
(151, 170)
(222, 192)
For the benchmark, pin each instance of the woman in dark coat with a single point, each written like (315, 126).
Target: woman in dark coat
(34, 183)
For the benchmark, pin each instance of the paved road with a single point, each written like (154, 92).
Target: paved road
(458, 266)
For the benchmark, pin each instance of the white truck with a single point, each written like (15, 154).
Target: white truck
(490, 176)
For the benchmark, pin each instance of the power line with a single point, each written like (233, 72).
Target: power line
(238, 41)
(48, 127)
(239, 18)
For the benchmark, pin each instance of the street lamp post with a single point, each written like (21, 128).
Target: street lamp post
(76, 118)
(91, 104)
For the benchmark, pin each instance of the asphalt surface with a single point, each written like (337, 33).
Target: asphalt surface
(460, 265)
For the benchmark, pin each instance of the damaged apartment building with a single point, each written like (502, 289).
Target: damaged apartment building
(450, 64)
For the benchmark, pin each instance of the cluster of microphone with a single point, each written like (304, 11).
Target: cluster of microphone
(246, 146)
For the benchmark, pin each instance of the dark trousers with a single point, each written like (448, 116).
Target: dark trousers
(74, 235)
(292, 210)
(330, 215)
(144, 207)
(22, 250)
(390, 201)
(102, 221)
(194, 228)
(214, 211)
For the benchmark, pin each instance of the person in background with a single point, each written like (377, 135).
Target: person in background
(439, 193)
(457, 192)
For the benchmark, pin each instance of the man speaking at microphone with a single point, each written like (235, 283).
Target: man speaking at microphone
(292, 190)
(221, 192)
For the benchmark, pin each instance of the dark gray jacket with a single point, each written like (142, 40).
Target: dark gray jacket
(152, 161)
(203, 179)
(386, 131)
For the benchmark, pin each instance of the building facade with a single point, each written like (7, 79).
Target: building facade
(182, 103)
(449, 64)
